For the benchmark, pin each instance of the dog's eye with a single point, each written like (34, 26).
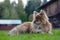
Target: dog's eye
(37, 17)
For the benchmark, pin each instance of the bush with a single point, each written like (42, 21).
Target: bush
(23, 16)
(31, 17)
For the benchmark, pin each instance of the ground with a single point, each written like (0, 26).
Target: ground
(37, 36)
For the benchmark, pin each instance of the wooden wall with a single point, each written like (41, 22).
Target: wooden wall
(53, 11)
(59, 6)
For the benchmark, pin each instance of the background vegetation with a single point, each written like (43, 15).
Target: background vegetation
(17, 11)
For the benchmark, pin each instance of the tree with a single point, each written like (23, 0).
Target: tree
(6, 14)
(1, 9)
(7, 4)
(31, 17)
(45, 1)
(12, 11)
(20, 11)
(9, 12)
(29, 9)
(31, 6)
(13, 14)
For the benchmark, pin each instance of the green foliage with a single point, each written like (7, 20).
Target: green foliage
(31, 17)
(12, 10)
(6, 13)
(9, 11)
(7, 4)
(13, 14)
(1, 9)
(16, 11)
(20, 10)
(23, 17)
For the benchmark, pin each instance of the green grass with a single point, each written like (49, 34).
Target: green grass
(55, 36)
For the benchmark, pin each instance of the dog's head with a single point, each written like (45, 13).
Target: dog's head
(40, 17)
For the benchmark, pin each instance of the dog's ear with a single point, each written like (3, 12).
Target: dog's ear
(42, 12)
(34, 14)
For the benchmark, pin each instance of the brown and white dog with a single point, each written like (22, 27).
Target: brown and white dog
(41, 19)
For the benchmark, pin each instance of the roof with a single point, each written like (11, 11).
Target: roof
(47, 4)
(10, 21)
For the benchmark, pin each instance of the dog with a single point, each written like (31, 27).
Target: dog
(41, 21)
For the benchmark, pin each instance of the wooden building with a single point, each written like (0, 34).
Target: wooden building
(53, 11)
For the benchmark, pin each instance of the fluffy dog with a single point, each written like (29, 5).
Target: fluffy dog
(41, 20)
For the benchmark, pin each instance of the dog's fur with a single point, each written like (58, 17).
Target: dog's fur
(23, 28)
(41, 19)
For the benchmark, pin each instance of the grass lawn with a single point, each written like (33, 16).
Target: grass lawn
(55, 36)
